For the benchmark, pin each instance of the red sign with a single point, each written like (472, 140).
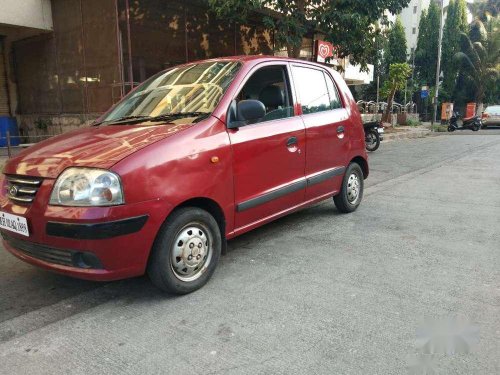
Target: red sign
(323, 50)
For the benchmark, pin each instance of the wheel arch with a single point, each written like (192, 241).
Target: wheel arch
(209, 205)
(363, 163)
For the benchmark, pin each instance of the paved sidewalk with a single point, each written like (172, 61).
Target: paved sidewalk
(407, 132)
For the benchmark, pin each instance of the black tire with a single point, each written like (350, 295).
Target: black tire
(342, 200)
(476, 128)
(161, 263)
(451, 128)
(375, 140)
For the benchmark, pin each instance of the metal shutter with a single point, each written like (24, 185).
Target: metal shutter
(4, 94)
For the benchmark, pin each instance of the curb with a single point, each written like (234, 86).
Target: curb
(407, 135)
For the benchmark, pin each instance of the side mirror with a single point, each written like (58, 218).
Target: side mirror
(245, 112)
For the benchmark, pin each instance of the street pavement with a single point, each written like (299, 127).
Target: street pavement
(409, 281)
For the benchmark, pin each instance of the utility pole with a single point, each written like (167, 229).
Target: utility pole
(378, 90)
(438, 68)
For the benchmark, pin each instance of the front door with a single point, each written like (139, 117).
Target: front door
(268, 154)
(327, 130)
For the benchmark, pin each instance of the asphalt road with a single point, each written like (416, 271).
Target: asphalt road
(412, 279)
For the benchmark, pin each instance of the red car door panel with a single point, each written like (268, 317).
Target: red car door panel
(327, 130)
(268, 165)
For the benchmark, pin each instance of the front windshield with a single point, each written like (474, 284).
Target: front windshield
(189, 92)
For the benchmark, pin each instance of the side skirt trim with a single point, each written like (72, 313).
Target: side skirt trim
(275, 194)
(319, 178)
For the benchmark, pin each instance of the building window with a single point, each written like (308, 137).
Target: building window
(415, 9)
(414, 31)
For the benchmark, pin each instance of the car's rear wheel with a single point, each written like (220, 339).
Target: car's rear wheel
(186, 251)
(351, 193)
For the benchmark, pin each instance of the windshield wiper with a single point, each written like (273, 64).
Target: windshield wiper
(163, 117)
(176, 115)
(124, 119)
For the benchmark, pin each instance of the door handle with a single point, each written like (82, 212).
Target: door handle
(340, 129)
(291, 141)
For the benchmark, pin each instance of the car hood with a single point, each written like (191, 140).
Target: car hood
(95, 146)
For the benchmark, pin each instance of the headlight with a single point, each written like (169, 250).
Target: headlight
(87, 187)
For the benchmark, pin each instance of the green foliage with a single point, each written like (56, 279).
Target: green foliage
(398, 74)
(480, 62)
(456, 23)
(42, 124)
(427, 45)
(477, 31)
(486, 9)
(348, 24)
(396, 46)
(412, 122)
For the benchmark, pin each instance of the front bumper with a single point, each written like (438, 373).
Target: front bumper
(95, 243)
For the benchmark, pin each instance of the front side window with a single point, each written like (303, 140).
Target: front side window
(189, 92)
(312, 89)
(269, 85)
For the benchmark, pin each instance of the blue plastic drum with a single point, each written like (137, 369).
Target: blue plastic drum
(9, 124)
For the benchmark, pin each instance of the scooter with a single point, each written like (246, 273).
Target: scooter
(473, 123)
(374, 133)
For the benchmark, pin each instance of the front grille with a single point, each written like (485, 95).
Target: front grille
(39, 251)
(22, 189)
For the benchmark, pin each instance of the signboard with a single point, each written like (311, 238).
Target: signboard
(425, 92)
(446, 111)
(470, 110)
(323, 50)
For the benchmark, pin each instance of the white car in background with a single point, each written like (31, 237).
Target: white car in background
(491, 116)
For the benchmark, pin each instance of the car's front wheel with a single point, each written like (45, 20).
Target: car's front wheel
(186, 251)
(351, 193)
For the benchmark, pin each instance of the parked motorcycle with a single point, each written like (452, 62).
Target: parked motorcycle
(374, 133)
(473, 123)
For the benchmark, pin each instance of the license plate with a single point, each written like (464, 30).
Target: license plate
(14, 223)
(380, 130)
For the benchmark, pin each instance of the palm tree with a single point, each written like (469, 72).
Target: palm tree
(479, 61)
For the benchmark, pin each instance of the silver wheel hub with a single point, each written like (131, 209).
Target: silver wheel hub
(191, 252)
(353, 188)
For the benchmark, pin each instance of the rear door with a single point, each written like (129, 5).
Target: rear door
(268, 155)
(327, 129)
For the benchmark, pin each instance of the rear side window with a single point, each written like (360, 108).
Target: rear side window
(493, 110)
(312, 90)
(333, 93)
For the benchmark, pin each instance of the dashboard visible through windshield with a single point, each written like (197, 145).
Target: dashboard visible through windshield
(189, 92)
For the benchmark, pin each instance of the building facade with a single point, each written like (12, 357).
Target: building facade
(65, 62)
(410, 18)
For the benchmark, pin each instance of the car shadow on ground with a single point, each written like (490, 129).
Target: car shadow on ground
(77, 295)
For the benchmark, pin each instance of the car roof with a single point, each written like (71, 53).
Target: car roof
(259, 58)
(495, 107)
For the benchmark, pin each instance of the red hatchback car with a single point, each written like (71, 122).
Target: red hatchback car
(196, 155)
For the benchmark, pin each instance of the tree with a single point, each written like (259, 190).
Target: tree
(456, 23)
(348, 24)
(485, 9)
(396, 46)
(398, 74)
(480, 63)
(427, 45)
(395, 51)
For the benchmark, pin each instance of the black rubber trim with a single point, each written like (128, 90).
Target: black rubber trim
(325, 176)
(264, 198)
(96, 231)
